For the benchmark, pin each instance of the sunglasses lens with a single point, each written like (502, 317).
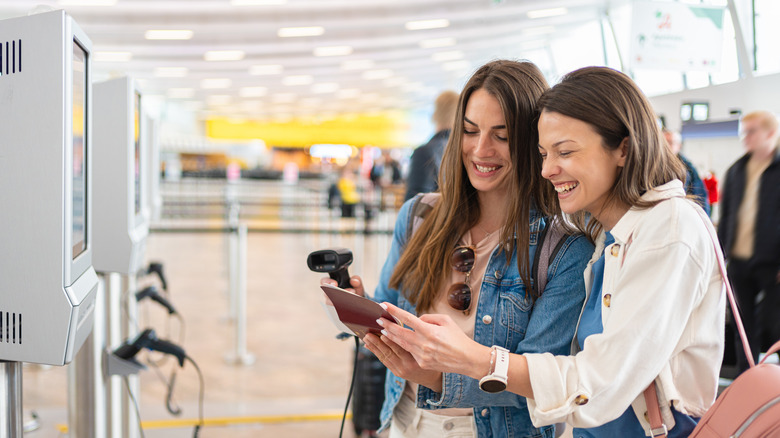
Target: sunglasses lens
(462, 259)
(459, 296)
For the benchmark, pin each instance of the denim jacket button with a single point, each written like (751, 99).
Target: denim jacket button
(615, 250)
(497, 274)
(485, 412)
(607, 300)
(487, 319)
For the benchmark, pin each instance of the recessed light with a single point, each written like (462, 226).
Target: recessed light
(284, 97)
(427, 24)
(218, 99)
(294, 80)
(289, 32)
(324, 87)
(180, 93)
(332, 51)
(456, 65)
(169, 34)
(348, 93)
(377, 74)
(224, 55)
(253, 91)
(451, 55)
(257, 2)
(357, 64)
(87, 2)
(544, 13)
(264, 70)
(539, 30)
(171, 72)
(113, 56)
(437, 42)
(214, 83)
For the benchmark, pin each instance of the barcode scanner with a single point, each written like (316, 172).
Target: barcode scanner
(148, 339)
(151, 293)
(157, 268)
(334, 262)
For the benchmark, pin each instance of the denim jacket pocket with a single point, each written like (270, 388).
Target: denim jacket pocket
(514, 308)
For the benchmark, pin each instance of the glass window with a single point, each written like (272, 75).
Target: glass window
(767, 15)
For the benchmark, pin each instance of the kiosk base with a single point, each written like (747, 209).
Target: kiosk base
(11, 406)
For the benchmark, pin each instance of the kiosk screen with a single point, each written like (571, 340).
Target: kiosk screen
(137, 136)
(78, 236)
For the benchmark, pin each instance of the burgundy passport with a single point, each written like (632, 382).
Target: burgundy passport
(359, 314)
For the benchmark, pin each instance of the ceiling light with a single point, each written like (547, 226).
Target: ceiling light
(113, 56)
(287, 32)
(456, 65)
(452, 55)
(257, 2)
(297, 80)
(283, 97)
(324, 87)
(543, 13)
(218, 99)
(168, 34)
(224, 55)
(87, 2)
(427, 24)
(539, 30)
(332, 51)
(394, 81)
(263, 70)
(437, 42)
(214, 83)
(377, 74)
(171, 72)
(348, 93)
(311, 102)
(357, 64)
(180, 93)
(253, 91)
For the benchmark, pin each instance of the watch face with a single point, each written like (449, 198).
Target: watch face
(492, 386)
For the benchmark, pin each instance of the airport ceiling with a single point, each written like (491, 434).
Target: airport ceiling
(358, 56)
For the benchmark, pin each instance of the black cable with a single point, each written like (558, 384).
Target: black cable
(172, 407)
(135, 403)
(351, 385)
(200, 424)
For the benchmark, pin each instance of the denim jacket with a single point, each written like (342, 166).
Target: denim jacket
(505, 317)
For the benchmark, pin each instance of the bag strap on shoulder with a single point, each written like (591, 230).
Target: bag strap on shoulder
(551, 240)
(421, 206)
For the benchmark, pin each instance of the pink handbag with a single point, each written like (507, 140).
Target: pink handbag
(749, 407)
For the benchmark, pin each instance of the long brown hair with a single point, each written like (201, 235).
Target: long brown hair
(612, 104)
(424, 263)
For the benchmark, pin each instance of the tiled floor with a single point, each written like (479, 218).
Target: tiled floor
(301, 369)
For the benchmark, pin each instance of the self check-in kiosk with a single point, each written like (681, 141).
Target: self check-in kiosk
(48, 283)
(46, 275)
(121, 214)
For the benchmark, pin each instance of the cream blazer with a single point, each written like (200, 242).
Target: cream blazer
(663, 313)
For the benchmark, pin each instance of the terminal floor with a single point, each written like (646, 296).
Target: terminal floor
(300, 368)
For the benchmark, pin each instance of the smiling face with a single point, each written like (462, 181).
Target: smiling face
(582, 170)
(485, 148)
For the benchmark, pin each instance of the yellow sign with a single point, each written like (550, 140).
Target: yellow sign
(388, 129)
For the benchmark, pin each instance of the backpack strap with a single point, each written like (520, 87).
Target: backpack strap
(551, 239)
(421, 207)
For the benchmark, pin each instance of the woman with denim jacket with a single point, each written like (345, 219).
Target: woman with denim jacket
(654, 315)
(471, 259)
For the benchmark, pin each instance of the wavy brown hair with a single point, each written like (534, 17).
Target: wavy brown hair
(424, 264)
(612, 104)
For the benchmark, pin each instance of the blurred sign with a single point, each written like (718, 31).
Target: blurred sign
(676, 36)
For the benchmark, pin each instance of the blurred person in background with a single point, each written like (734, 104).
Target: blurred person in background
(749, 230)
(425, 161)
(694, 186)
(348, 190)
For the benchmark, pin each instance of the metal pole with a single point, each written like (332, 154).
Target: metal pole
(238, 289)
(11, 404)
